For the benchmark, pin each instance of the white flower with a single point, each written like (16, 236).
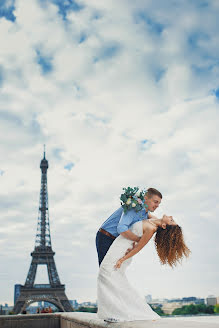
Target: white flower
(128, 201)
(133, 204)
(137, 194)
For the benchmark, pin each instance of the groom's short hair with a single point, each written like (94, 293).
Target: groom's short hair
(152, 191)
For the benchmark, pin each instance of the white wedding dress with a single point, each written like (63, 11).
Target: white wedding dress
(117, 300)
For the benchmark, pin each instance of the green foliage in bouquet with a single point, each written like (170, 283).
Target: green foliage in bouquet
(133, 198)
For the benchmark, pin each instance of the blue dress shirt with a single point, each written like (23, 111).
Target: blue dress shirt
(119, 221)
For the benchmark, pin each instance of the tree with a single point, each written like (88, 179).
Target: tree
(216, 308)
(201, 308)
(191, 309)
(87, 309)
(194, 309)
(181, 310)
(209, 309)
(177, 311)
(158, 310)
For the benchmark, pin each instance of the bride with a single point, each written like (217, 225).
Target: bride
(117, 300)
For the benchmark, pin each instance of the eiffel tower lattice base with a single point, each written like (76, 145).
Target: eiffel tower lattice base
(44, 293)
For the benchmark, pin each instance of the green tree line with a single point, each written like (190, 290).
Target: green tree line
(86, 309)
(196, 309)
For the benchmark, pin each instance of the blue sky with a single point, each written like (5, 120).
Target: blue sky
(7, 10)
(121, 93)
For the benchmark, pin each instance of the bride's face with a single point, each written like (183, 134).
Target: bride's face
(168, 220)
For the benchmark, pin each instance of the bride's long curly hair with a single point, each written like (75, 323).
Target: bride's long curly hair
(170, 245)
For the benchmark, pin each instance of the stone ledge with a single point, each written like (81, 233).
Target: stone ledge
(90, 320)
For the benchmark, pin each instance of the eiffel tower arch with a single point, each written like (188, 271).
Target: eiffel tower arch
(54, 292)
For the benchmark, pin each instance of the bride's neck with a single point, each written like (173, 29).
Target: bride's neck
(157, 222)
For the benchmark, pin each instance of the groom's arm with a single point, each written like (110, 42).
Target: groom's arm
(130, 235)
(123, 227)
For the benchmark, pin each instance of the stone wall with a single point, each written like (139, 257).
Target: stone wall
(90, 320)
(30, 321)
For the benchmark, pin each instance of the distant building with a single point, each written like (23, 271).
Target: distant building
(174, 300)
(193, 300)
(148, 298)
(48, 304)
(17, 291)
(87, 304)
(1, 310)
(31, 309)
(211, 300)
(74, 303)
(189, 299)
(5, 309)
(200, 301)
(169, 306)
(156, 303)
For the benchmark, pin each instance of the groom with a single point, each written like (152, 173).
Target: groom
(120, 222)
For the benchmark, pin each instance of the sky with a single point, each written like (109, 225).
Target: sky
(122, 93)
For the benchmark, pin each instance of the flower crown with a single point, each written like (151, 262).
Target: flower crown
(133, 198)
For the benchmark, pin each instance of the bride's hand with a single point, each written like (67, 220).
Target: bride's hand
(119, 263)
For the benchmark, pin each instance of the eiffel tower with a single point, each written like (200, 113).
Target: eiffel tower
(54, 292)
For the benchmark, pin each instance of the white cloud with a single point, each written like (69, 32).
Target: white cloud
(126, 81)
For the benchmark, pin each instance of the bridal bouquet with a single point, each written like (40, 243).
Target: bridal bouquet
(133, 198)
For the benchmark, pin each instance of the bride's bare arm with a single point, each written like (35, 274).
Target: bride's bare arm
(143, 241)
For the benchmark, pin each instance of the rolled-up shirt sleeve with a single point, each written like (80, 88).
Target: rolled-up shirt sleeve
(125, 221)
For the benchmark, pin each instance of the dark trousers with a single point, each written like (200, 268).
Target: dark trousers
(103, 243)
